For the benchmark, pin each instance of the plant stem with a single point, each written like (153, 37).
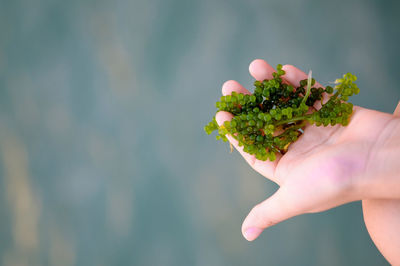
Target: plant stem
(308, 87)
(294, 119)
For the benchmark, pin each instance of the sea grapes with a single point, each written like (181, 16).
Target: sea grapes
(267, 121)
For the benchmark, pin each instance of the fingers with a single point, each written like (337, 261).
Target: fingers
(273, 210)
(266, 168)
(232, 85)
(294, 75)
(261, 70)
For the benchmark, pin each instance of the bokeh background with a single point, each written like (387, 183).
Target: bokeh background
(103, 157)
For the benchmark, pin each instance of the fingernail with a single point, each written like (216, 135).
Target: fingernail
(252, 233)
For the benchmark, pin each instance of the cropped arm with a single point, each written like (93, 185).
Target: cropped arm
(382, 219)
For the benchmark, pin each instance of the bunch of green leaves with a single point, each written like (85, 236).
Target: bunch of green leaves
(267, 121)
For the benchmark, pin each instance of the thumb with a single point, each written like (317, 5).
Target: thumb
(273, 210)
(397, 111)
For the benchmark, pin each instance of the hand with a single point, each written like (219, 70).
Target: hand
(324, 168)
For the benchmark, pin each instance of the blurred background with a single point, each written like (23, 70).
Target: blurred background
(103, 157)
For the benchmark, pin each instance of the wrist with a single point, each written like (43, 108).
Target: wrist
(381, 179)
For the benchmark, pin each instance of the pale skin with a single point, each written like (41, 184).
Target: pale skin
(330, 166)
(382, 218)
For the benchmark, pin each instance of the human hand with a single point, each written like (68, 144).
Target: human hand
(324, 168)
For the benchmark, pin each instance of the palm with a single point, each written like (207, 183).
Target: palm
(323, 163)
(318, 170)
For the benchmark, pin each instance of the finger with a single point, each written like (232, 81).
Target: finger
(273, 210)
(397, 110)
(294, 75)
(265, 168)
(261, 70)
(232, 85)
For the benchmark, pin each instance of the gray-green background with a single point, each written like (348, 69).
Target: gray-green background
(103, 158)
